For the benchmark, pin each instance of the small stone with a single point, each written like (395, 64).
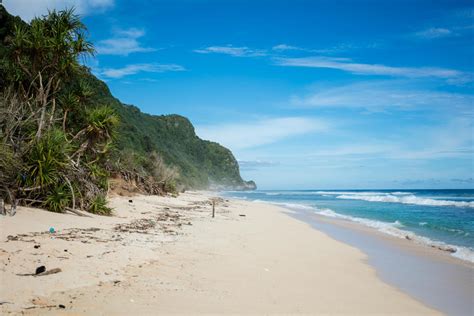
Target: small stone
(40, 269)
(61, 306)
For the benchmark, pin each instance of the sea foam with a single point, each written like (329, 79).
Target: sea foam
(404, 199)
(394, 229)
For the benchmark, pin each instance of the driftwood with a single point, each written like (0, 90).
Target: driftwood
(48, 272)
(78, 213)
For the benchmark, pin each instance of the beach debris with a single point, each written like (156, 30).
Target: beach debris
(40, 302)
(138, 225)
(10, 238)
(61, 306)
(5, 302)
(130, 201)
(40, 269)
(51, 230)
(52, 271)
(76, 212)
(445, 248)
(242, 215)
(36, 246)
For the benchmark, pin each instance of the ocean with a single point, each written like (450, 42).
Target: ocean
(438, 218)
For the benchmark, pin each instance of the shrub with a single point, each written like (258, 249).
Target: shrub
(46, 159)
(99, 206)
(58, 199)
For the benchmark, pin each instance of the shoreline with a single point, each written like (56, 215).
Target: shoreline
(252, 258)
(428, 274)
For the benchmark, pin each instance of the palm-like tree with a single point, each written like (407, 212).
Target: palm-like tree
(46, 54)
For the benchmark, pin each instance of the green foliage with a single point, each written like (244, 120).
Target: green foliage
(199, 163)
(102, 122)
(58, 199)
(49, 123)
(100, 175)
(46, 159)
(60, 127)
(99, 206)
(51, 44)
(9, 164)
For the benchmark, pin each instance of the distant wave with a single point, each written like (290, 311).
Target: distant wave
(405, 199)
(365, 193)
(330, 193)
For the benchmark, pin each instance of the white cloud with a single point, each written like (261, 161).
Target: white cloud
(331, 50)
(452, 138)
(123, 43)
(28, 9)
(232, 51)
(346, 64)
(375, 95)
(341, 47)
(285, 47)
(434, 32)
(262, 132)
(136, 68)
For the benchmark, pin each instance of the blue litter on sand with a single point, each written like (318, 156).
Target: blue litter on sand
(51, 230)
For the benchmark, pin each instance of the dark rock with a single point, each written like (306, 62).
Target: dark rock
(61, 306)
(40, 269)
(36, 246)
(130, 201)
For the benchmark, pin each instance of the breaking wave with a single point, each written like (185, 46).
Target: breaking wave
(404, 199)
(394, 229)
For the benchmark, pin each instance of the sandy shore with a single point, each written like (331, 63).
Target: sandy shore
(167, 255)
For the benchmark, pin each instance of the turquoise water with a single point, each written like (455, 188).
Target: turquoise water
(441, 218)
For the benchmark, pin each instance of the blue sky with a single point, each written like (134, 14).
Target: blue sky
(307, 94)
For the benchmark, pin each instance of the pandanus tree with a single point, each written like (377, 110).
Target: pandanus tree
(46, 55)
(58, 160)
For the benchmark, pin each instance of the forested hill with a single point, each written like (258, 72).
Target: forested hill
(157, 150)
(202, 164)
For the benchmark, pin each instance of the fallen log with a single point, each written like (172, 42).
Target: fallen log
(78, 213)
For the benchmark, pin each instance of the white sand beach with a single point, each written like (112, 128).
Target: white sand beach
(165, 255)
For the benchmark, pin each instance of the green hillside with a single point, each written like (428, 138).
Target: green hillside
(202, 164)
(63, 135)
